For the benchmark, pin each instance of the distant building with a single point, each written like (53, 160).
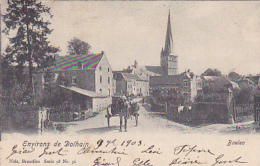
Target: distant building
(185, 83)
(131, 84)
(255, 79)
(219, 90)
(244, 80)
(211, 72)
(165, 78)
(89, 78)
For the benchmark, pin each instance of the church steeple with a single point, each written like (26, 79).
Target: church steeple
(169, 61)
(169, 41)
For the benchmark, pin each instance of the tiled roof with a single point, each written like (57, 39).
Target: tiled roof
(221, 81)
(155, 69)
(165, 80)
(84, 92)
(89, 61)
(211, 78)
(130, 77)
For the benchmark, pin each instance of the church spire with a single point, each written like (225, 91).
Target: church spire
(169, 41)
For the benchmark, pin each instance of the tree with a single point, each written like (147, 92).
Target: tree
(234, 76)
(245, 94)
(78, 47)
(49, 79)
(29, 45)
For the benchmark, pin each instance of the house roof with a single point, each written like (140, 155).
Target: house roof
(221, 81)
(211, 72)
(211, 78)
(155, 69)
(170, 79)
(244, 79)
(130, 77)
(84, 92)
(89, 61)
(165, 80)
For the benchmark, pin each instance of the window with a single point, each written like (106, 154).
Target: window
(100, 79)
(108, 80)
(100, 90)
(74, 80)
(108, 92)
(199, 85)
(100, 68)
(185, 96)
(185, 83)
(107, 69)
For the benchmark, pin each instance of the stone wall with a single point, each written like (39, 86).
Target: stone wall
(23, 119)
(200, 113)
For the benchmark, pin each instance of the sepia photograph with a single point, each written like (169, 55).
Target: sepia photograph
(130, 82)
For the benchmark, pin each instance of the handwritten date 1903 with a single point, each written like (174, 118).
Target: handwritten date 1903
(124, 143)
(131, 142)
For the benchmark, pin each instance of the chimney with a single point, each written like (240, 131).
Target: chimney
(56, 56)
(80, 65)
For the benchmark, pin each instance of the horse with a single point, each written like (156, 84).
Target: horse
(133, 111)
(123, 112)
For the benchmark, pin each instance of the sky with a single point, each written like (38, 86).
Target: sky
(222, 35)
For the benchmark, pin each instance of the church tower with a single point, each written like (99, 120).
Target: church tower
(169, 62)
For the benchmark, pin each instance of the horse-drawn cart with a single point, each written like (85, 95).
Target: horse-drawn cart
(123, 109)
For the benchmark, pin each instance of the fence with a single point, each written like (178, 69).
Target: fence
(243, 112)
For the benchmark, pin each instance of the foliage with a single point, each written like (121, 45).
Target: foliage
(8, 74)
(54, 97)
(30, 45)
(49, 78)
(60, 127)
(78, 47)
(234, 76)
(245, 94)
(16, 95)
(211, 97)
(210, 87)
(173, 97)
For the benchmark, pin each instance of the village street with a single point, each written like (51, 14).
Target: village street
(147, 123)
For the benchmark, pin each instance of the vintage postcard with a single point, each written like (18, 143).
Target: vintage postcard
(130, 83)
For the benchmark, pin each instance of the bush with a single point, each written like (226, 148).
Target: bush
(60, 127)
(245, 94)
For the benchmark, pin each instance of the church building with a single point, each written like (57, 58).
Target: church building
(169, 61)
(166, 78)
